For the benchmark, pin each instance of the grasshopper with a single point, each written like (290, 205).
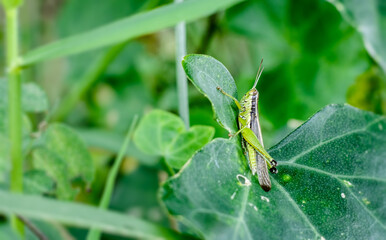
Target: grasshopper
(259, 160)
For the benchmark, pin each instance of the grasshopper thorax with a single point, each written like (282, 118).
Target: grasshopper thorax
(250, 98)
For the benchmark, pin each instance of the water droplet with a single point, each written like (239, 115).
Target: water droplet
(347, 183)
(286, 177)
(303, 201)
(244, 181)
(322, 238)
(343, 195)
(365, 201)
(253, 206)
(233, 195)
(264, 198)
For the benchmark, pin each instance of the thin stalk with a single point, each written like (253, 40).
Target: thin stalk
(94, 234)
(85, 83)
(182, 82)
(39, 234)
(15, 111)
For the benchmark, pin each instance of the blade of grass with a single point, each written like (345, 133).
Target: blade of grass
(80, 215)
(127, 28)
(94, 234)
(182, 81)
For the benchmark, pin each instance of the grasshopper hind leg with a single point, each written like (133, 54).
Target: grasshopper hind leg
(263, 176)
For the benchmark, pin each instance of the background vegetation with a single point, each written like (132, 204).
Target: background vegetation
(81, 71)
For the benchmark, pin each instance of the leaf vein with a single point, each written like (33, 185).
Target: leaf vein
(296, 207)
(296, 157)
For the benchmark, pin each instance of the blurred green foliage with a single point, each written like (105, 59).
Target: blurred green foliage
(315, 53)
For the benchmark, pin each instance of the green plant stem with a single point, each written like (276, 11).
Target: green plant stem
(182, 81)
(85, 83)
(94, 234)
(15, 111)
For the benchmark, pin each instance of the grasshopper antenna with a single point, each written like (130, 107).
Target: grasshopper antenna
(259, 72)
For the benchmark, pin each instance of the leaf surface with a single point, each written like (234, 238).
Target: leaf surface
(331, 177)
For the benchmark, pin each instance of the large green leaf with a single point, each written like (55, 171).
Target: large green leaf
(163, 134)
(330, 185)
(127, 28)
(81, 215)
(369, 19)
(206, 73)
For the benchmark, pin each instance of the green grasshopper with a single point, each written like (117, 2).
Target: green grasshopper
(252, 141)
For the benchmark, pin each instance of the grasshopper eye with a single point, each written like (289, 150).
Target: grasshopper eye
(273, 170)
(273, 163)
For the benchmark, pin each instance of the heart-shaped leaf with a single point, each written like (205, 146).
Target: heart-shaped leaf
(186, 143)
(330, 185)
(56, 168)
(163, 134)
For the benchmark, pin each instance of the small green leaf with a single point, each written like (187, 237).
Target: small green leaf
(206, 73)
(186, 144)
(57, 169)
(66, 144)
(156, 131)
(331, 178)
(33, 99)
(163, 134)
(37, 182)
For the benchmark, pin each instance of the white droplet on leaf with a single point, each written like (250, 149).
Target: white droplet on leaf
(244, 181)
(233, 195)
(264, 198)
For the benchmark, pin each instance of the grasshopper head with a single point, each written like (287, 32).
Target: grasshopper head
(253, 93)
